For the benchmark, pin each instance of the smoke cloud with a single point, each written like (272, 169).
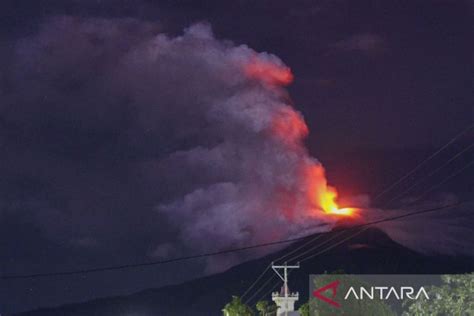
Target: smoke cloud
(129, 131)
(120, 137)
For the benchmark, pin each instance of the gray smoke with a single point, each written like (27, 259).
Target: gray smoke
(120, 137)
(127, 131)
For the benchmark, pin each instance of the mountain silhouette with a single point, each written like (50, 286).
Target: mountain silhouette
(371, 252)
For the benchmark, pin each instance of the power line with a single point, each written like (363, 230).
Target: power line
(363, 227)
(300, 247)
(324, 250)
(384, 220)
(339, 233)
(259, 289)
(278, 259)
(403, 193)
(309, 257)
(360, 231)
(292, 259)
(380, 194)
(441, 183)
(255, 282)
(452, 140)
(272, 288)
(210, 254)
(304, 259)
(336, 244)
(317, 237)
(145, 264)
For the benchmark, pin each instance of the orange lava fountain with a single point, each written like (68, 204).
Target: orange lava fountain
(327, 201)
(324, 196)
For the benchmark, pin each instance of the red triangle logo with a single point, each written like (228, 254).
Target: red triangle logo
(331, 286)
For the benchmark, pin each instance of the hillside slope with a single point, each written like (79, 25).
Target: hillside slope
(372, 252)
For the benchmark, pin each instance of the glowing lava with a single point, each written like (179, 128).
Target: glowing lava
(322, 196)
(349, 211)
(327, 201)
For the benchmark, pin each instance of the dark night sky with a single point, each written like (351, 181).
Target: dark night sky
(369, 75)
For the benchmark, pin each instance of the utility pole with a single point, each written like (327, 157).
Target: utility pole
(286, 303)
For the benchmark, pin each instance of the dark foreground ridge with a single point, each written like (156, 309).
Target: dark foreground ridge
(371, 252)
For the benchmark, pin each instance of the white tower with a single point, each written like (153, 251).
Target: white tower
(284, 299)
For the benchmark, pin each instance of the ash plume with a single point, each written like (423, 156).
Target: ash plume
(189, 141)
(122, 138)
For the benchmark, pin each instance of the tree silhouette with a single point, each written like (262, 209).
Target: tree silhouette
(266, 309)
(237, 308)
(455, 297)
